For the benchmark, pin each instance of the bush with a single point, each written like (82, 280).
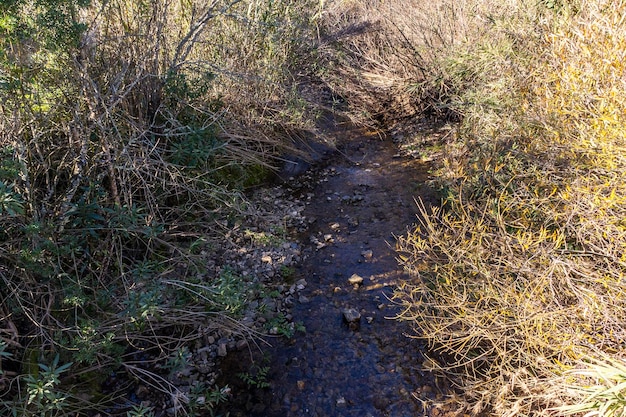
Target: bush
(122, 126)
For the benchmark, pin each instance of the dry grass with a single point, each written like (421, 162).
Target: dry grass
(405, 59)
(519, 278)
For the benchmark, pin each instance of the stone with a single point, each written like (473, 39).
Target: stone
(355, 279)
(221, 350)
(367, 254)
(141, 391)
(352, 317)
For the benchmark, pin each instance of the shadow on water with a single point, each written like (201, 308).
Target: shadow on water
(360, 200)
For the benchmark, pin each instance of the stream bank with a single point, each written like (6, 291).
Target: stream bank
(352, 359)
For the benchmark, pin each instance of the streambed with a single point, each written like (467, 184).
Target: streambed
(357, 200)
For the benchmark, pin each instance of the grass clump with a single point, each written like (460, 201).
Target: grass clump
(519, 277)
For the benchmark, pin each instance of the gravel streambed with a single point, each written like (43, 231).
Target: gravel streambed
(351, 359)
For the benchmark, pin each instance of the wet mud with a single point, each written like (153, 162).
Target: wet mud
(358, 200)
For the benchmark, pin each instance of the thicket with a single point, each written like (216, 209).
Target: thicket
(127, 130)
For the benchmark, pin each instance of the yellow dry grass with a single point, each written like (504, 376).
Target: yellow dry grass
(520, 277)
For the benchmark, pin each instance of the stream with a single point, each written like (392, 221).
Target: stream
(358, 199)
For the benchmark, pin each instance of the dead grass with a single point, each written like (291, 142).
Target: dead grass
(519, 278)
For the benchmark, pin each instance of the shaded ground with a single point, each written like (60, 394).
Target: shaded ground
(357, 202)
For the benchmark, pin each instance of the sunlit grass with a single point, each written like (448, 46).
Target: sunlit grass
(519, 278)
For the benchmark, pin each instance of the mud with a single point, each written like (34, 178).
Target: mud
(358, 200)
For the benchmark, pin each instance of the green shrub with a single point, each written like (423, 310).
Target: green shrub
(128, 129)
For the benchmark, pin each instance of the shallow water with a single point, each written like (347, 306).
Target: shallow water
(361, 198)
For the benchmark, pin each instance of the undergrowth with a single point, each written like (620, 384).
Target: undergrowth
(127, 132)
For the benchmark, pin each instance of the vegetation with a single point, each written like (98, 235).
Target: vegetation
(129, 128)
(519, 281)
(127, 131)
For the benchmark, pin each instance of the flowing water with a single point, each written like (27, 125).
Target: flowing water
(360, 197)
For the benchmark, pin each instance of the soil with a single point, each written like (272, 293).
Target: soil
(352, 359)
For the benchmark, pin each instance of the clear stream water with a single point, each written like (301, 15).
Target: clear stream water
(362, 196)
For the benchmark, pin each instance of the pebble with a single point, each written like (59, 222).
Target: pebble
(221, 350)
(355, 279)
(352, 317)
(141, 390)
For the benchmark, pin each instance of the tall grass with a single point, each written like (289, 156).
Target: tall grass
(127, 130)
(519, 277)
